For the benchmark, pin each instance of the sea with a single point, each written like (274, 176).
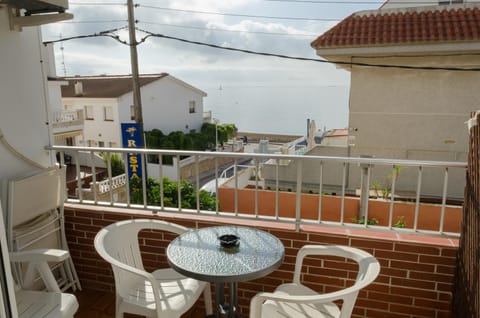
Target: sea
(279, 110)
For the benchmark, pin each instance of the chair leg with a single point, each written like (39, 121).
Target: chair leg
(118, 313)
(207, 298)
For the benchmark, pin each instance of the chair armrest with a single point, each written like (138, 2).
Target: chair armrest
(38, 259)
(39, 255)
(258, 300)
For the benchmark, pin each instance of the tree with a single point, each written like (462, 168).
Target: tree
(117, 164)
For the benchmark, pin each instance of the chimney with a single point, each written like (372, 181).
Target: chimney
(78, 86)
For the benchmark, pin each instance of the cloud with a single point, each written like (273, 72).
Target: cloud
(104, 55)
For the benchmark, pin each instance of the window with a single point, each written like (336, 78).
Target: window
(132, 112)
(108, 113)
(89, 112)
(191, 106)
(112, 144)
(101, 144)
(91, 143)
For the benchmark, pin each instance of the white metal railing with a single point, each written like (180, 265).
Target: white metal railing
(299, 168)
(67, 116)
(107, 185)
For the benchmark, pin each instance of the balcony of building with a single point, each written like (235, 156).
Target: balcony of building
(67, 124)
(414, 232)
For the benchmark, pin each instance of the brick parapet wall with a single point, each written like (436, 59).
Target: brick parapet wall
(416, 271)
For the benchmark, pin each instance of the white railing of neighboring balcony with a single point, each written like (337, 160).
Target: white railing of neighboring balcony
(67, 116)
(365, 165)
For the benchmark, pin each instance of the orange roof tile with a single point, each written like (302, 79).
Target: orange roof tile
(406, 26)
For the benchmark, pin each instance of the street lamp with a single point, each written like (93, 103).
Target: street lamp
(215, 120)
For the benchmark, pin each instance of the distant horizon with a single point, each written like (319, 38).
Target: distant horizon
(285, 112)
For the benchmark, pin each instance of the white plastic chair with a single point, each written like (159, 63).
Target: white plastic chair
(297, 300)
(49, 303)
(20, 302)
(38, 222)
(162, 293)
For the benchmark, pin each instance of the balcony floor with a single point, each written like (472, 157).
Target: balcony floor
(100, 304)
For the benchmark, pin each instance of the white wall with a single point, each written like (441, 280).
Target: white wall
(413, 114)
(97, 129)
(23, 102)
(165, 105)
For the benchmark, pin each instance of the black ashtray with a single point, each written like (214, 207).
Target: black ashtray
(229, 240)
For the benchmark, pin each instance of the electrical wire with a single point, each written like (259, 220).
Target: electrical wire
(237, 14)
(105, 33)
(409, 67)
(225, 30)
(298, 58)
(352, 2)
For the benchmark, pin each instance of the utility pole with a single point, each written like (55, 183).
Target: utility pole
(137, 100)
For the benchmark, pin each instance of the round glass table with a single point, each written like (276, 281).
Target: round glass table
(199, 254)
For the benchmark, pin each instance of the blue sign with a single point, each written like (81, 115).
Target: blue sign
(132, 137)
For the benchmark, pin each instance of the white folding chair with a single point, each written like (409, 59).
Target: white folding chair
(35, 220)
(298, 301)
(162, 293)
(17, 301)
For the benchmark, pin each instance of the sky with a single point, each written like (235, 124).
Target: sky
(232, 80)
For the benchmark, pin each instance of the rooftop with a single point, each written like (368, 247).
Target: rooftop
(106, 86)
(405, 26)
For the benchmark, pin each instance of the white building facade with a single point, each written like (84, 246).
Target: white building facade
(25, 120)
(168, 104)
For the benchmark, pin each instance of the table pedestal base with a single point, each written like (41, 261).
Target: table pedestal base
(231, 308)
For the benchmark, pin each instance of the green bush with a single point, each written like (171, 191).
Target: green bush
(170, 194)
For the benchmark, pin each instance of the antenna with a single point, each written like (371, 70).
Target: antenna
(64, 68)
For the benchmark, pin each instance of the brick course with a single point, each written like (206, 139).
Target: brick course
(416, 278)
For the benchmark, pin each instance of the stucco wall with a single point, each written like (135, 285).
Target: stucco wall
(165, 105)
(24, 97)
(97, 129)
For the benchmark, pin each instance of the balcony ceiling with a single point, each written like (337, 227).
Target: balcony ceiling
(38, 6)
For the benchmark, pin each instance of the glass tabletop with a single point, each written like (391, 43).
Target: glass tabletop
(199, 254)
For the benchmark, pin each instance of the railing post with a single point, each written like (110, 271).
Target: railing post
(197, 183)
(320, 193)
(109, 172)
(276, 189)
(235, 171)
(125, 167)
(444, 200)
(179, 188)
(94, 176)
(257, 172)
(342, 205)
(364, 190)
(392, 197)
(160, 175)
(144, 179)
(298, 198)
(417, 200)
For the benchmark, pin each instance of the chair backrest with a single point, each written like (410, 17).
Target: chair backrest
(35, 220)
(368, 270)
(118, 244)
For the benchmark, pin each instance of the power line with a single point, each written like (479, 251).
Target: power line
(225, 30)
(237, 14)
(409, 67)
(97, 3)
(106, 33)
(353, 2)
(150, 34)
